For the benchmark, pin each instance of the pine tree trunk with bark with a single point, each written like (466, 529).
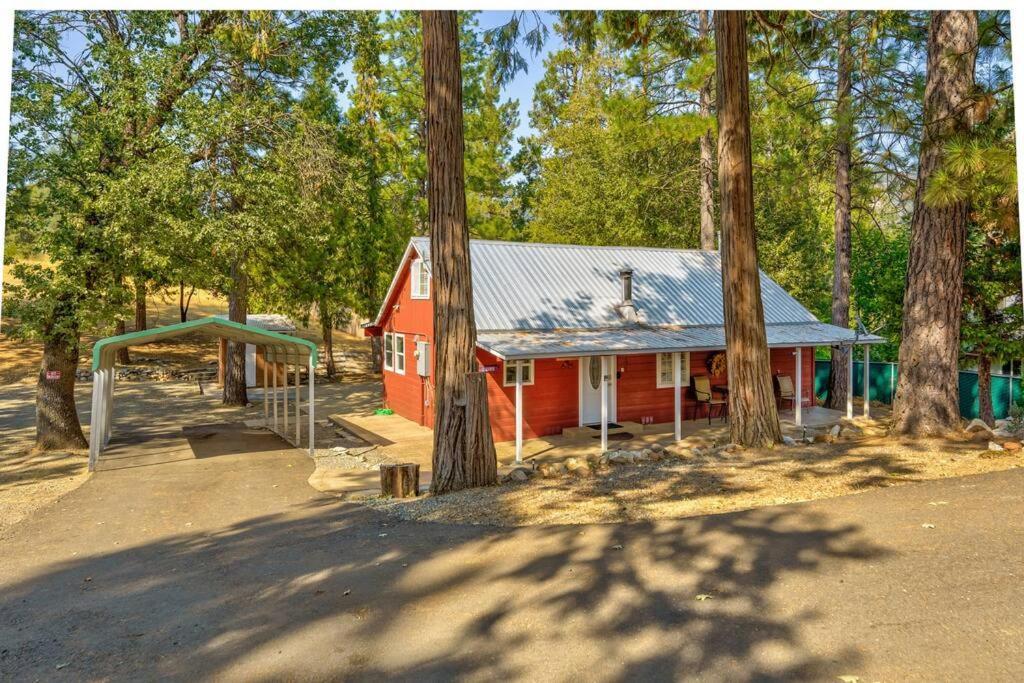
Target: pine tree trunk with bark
(238, 309)
(839, 380)
(754, 420)
(454, 326)
(707, 162)
(140, 305)
(57, 424)
(986, 413)
(926, 402)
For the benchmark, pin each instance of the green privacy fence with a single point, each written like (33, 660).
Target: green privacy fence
(882, 385)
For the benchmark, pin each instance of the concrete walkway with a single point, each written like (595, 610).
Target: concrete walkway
(231, 567)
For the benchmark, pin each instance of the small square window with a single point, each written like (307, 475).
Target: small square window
(510, 372)
(665, 370)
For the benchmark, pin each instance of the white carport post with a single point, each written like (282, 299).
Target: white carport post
(867, 385)
(311, 421)
(95, 419)
(274, 382)
(798, 403)
(266, 399)
(519, 411)
(604, 403)
(298, 401)
(677, 388)
(284, 400)
(109, 407)
(849, 383)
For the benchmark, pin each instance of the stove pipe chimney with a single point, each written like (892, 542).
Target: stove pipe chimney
(626, 308)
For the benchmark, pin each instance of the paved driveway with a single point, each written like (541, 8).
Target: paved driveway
(229, 566)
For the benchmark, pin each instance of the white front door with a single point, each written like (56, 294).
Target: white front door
(590, 390)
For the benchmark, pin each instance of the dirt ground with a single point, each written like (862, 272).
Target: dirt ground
(684, 485)
(29, 482)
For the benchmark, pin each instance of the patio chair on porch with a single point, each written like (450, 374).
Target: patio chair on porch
(704, 396)
(786, 390)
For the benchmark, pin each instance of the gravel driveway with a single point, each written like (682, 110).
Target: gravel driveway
(230, 566)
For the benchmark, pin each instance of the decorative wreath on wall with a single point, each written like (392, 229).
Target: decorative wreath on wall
(716, 364)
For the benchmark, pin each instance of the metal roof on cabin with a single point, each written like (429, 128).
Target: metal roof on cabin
(555, 343)
(530, 286)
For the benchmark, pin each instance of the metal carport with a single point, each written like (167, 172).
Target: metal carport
(277, 348)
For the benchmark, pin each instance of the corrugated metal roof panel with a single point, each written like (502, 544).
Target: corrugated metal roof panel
(275, 322)
(555, 343)
(529, 286)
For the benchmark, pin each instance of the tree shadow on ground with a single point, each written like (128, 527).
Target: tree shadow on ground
(328, 589)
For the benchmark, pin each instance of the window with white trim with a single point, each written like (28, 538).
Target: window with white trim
(389, 351)
(665, 370)
(510, 372)
(399, 354)
(420, 278)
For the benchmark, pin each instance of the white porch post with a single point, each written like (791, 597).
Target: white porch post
(798, 404)
(298, 397)
(849, 384)
(311, 421)
(519, 411)
(266, 404)
(678, 391)
(867, 385)
(604, 403)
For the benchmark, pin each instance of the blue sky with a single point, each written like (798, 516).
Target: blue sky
(521, 88)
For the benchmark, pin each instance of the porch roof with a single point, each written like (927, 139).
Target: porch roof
(640, 339)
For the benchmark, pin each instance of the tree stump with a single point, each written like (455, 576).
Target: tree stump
(400, 481)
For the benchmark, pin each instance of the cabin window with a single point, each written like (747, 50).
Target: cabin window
(665, 370)
(510, 372)
(399, 354)
(389, 350)
(420, 278)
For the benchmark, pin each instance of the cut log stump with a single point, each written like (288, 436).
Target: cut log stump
(400, 481)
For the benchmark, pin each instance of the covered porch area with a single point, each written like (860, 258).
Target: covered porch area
(598, 354)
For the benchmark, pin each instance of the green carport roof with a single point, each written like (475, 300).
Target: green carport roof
(283, 346)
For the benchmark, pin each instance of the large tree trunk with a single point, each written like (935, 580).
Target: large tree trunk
(927, 393)
(238, 309)
(707, 167)
(839, 381)
(454, 326)
(123, 357)
(57, 425)
(985, 411)
(754, 420)
(140, 304)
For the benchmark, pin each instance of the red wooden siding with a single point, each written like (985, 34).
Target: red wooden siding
(410, 395)
(550, 404)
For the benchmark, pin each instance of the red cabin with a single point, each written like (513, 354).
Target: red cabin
(576, 336)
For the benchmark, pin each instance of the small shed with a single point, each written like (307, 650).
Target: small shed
(254, 359)
(286, 352)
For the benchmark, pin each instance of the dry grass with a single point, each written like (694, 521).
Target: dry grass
(31, 481)
(683, 485)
